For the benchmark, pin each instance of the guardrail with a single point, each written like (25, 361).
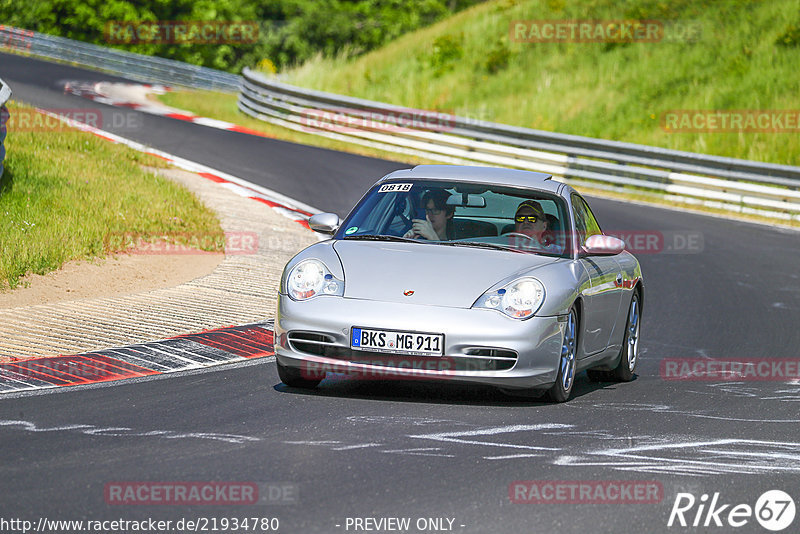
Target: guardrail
(724, 183)
(139, 67)
(5, 94)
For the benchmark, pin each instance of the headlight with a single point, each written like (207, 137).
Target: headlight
(310, 278)
(520, 299)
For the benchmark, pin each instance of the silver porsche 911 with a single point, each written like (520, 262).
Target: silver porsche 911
(472, 274)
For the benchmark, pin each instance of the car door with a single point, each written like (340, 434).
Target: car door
(602, 299)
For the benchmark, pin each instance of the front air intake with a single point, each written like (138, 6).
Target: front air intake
(310, 342)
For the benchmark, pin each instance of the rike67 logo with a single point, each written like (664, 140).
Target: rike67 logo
(774, 510)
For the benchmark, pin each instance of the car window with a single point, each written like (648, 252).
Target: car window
(585, 222)
(475, 213)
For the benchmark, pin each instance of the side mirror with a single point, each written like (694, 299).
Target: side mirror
(603, 245)
(324, 223)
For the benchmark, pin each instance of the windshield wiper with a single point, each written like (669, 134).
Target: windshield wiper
(479, 245)
(383, 237)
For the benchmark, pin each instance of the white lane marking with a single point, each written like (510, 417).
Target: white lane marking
(93, 430)
(238, 189)
(640, 467)
(720, 456)
(457, 437)
(214, 123)
(110, 431)
(662, 408)
(290, 214)
(143, 348)
(695, 444)
(135, 360)
(31, 427)
(598, 434)
(509, 456)
(747, 454)
(402, 419)
(197, 358)
(423, 451)
(737, 419)
(359, 446)
(24, 382)
(309, 442)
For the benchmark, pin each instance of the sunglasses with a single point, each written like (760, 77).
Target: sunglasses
(529, 218)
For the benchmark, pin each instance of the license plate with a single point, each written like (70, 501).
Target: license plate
(397, 342)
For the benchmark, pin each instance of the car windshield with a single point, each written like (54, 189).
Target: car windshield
(450, 213)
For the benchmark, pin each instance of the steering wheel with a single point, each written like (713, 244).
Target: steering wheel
(517, 234)
(532, 242)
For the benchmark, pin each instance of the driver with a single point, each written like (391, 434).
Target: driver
(530, 221)
(438, 223)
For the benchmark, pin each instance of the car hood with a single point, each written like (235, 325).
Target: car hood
(438, 275)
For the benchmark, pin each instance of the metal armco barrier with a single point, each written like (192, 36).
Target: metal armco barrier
(139, 67)
(5, 94)
(726, 183)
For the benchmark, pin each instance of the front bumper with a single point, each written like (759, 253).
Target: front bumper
(536, 342)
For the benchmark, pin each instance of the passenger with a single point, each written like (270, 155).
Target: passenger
(438, 223)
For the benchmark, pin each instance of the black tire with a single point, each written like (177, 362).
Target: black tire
(629, 352)
(567, 363)
(294, 377)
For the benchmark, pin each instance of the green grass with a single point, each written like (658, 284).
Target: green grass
(63, 193)
(467, 65)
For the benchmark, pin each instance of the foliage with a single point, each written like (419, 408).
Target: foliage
(791, 37)
(445, 52)
(290, 31)
(497, 58)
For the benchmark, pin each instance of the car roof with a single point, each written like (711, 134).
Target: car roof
(463, 173)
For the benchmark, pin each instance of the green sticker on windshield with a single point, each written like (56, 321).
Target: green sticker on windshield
(351, 230)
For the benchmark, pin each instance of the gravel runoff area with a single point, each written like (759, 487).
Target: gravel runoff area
(241, 289)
